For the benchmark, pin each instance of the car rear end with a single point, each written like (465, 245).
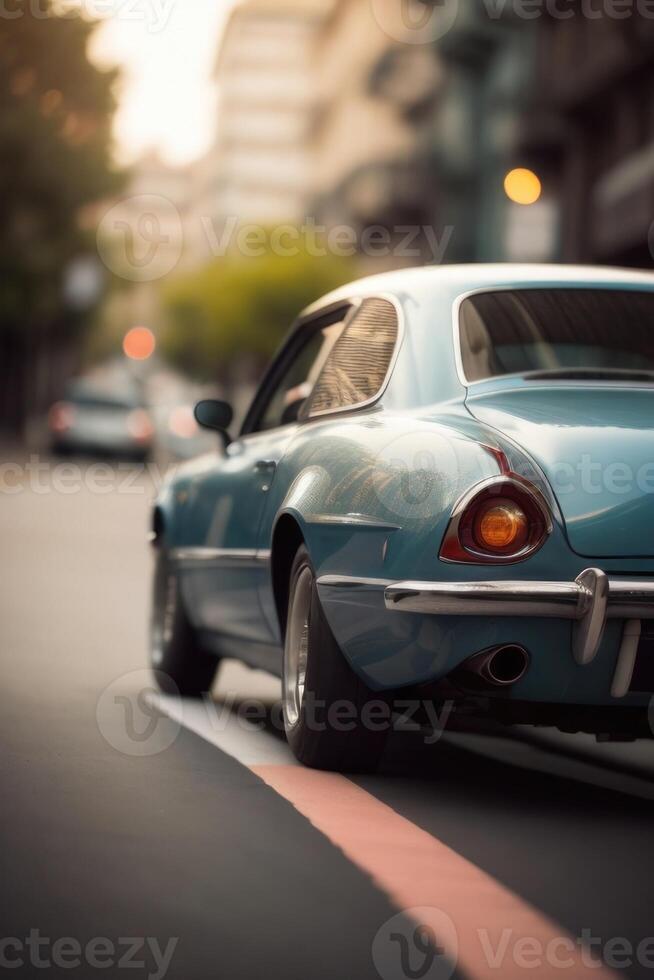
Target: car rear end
(532, 593)
(567, 376)
(102, 425)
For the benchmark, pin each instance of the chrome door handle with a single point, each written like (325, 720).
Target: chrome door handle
(264, 465)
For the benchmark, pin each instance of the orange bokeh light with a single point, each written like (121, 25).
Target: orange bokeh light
(139, 343)
(522, 186)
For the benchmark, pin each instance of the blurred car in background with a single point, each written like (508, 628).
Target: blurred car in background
(92, 420)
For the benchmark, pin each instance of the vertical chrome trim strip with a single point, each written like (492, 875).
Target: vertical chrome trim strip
(624, 668)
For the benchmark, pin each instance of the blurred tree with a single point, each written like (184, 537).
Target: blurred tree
(237, 308)
(55, 118)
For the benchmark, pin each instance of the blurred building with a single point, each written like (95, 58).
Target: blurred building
(148, 219)
(589, 132)
(360, 133)
(345, 111)
(258, 168)
(420, 128)
(371, 97)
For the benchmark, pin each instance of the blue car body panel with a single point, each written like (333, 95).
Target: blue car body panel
(596, 447)
(345, 481)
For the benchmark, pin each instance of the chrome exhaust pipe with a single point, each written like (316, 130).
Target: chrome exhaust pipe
(502, 666)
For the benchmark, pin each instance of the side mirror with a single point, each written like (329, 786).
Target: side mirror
(211, 413)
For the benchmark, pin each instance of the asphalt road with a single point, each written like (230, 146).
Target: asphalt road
(181, 841)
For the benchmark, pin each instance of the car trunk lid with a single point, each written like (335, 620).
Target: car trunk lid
(595, 444)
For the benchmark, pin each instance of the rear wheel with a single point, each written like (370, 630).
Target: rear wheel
(180, 665)
(332, 719)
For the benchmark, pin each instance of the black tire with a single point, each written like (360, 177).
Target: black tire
(179, 664)
(315, 733)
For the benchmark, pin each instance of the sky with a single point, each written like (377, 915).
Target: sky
(166, 50)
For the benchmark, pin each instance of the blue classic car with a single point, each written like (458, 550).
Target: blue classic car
(443, 490)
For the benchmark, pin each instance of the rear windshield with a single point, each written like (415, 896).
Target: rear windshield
(558, 332)
(95, 397)
(107, 404)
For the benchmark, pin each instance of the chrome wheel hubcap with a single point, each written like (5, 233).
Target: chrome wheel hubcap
(297, 647)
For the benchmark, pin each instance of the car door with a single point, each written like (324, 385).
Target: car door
(225, 568)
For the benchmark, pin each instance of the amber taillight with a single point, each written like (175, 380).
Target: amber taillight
(503, 520)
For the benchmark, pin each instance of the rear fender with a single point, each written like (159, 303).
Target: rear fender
(369, 503)
(379, 514)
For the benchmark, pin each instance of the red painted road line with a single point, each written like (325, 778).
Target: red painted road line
(415, 869)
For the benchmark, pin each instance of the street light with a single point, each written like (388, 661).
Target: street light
(522, 186)
(139, 343)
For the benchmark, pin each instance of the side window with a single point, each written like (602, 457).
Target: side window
(299, 378)
(357, 365)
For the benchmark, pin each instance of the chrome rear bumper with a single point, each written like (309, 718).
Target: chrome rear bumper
(588, 601)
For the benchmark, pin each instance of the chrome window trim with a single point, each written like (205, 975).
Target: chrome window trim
(401, 329)
(317, 313)
(301, 323)
(456, 326)
(354, 302)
